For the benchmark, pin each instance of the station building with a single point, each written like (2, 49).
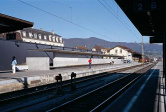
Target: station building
(32, 35)
(101, 49)
(41, 50)
(128, 53)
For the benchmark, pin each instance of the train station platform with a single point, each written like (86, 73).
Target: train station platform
(17, 81)
(146, 95)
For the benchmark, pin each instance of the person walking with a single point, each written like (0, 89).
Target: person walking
(14, 62)
(90, 62)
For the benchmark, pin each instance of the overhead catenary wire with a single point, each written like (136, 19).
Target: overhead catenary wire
(93, 22)
(71, 15)
(61, 18)
(116, 12)
(117, 18)
(122, 21)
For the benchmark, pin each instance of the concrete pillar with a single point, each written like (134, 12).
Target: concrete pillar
(53, 61)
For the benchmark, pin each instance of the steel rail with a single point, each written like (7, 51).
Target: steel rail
(79, 80)
(69, 105)
(102, 105)
(67, 84)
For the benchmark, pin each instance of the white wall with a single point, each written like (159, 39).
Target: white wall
(62, 61)
(117, 61)
(128, 55)
(38, 63)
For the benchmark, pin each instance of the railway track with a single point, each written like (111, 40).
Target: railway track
(34, 95)
(97, 99)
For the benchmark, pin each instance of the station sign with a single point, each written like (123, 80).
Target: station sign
(146, 5)
(154, 5)
(140, 5)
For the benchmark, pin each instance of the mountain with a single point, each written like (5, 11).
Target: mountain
(92, 41)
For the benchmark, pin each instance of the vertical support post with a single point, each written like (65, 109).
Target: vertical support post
(164, 62)
(164, 38)
(73, 81)
(142, 52)
(164, 45)
(25, 83)
(59, 84)
(53, 60)
(164, 41)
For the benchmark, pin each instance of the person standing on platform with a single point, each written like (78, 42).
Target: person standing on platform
(90, 62)
(14, 62)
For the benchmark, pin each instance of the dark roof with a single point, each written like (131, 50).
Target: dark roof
(147, 17)
(40, 31)
(98, 48)
(107, 48)
(82, 47)
(8, 23)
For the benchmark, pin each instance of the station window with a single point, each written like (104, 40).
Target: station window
(45, 37)
(35, 35)
(50, 39)
(116, 51)
(57, 39)
(24, 34)
(30, 35)
(53, 38)
(121, 51)
(39, 35)
(60, 38)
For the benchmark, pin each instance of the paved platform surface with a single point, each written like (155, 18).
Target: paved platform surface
(27, 79)
(6, 75)
(146, 95)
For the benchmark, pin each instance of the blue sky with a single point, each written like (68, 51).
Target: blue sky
(76, 18)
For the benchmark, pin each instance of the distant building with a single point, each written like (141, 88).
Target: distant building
(32, 35)
(128, 53)
(98, 48)
(108, 50)
(82, 48)
(101, 49)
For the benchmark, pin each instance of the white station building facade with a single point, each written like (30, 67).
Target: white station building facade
(32, 35)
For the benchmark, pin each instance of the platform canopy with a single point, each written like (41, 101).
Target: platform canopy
(74, 52)
(9, 24)
(148, 16)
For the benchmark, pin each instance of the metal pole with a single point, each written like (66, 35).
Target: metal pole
(142, 52)
(164, 45)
